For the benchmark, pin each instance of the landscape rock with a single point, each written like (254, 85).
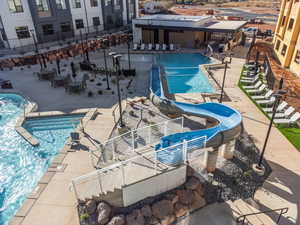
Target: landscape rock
(104, 211)
(162, 208)
(91, 206)
(192, 183)
(185, 196)
(180, 210)
(168, 220)
(146, 211)
(200, 189)
(198, 202)
(153, 221)
(117, 220)
(172, 197)
(135, 218)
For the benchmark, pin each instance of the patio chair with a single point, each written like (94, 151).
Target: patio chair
(150, 47)
(143, 46)
(284, 114)
(257, 84)
(172, 47)
(266, 101)
(289, 121)
(258, 90)
(135, 47)
(261, 97)
(164, 47)
(75, 139)
(157, 47)
(281, 106)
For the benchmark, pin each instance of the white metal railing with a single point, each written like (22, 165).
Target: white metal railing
(137, 168)
(127, 143)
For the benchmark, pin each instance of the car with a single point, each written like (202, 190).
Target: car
(250, 31)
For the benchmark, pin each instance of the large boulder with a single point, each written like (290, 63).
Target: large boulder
(146, 211)
(192, 183)
(198, 201)
(104, 211)
(200, 189)
(172, 197)
(117, 220)
(135, 218)
(180, 210)
(162, 208)
(153, 221)
(185, 196)
(168, 220)
(90, 206)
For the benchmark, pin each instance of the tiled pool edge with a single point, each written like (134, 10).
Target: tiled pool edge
(56, 165)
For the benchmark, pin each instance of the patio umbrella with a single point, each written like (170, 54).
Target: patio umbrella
(58, 65)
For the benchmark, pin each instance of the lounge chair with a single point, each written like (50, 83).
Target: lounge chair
(250, 80)
(135, 47)
(142, 46)
(150, 47)
(172, 47)
(291, 120)
(285, 114)
(258, 90)
(281, 106)
(157, 47)
(258, 83)
(261, 97)
(164, 47)
(75, 139)
(266, 101)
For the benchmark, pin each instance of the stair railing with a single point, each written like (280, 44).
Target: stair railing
(241, 219)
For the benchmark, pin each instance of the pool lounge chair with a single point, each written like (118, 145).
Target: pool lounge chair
(75, 139)
(289, 121)
(157, 47)
(172, 47)
(258, 90)
(266, 101)
(285, 114)
(261, 97)
(143, 46)
(281, 106)
(251, 80)
(135, 47)
(258, 83)
(164, 47)
(150, 47)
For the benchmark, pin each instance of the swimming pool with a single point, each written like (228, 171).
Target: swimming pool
(22, 165)
(183, 73)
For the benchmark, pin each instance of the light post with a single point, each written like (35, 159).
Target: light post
(223, 82)
(105, 63)
(36, 48)
(278, 95)
(116, 62)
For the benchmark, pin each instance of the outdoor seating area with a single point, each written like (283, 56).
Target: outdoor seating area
(252, 83)
(154, 47)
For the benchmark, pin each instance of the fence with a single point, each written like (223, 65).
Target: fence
(136, 169)
(126, 144)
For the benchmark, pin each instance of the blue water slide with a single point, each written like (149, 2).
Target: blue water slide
(227, 122)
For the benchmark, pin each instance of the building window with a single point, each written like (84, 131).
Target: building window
(15, 6)
(42, 5)
(283, 21)
(77, 4)
(297, 57)
(48, 29)
(65, 27)
(291, 24)
(283, 51)
(61, 4)
(94, 3)
(79, 24)
(277, 45)
(96, 21)
(107, 2)
(22, 32)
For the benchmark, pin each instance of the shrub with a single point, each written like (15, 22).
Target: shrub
(84, 216)
(113, 81)
(99, 84)
(90, 94)
(100, 92)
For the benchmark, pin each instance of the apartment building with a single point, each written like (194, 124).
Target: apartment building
(287, 39)
(22, 21)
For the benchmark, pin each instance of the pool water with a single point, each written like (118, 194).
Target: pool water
(183, 73)
(22, 165)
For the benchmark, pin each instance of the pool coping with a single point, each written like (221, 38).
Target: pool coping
(56, 164)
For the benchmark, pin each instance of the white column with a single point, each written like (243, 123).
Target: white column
(210, 159)
(228, 149)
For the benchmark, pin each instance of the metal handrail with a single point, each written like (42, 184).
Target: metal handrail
(241, 219)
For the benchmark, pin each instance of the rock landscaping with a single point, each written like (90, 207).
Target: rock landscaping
(161, 210)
